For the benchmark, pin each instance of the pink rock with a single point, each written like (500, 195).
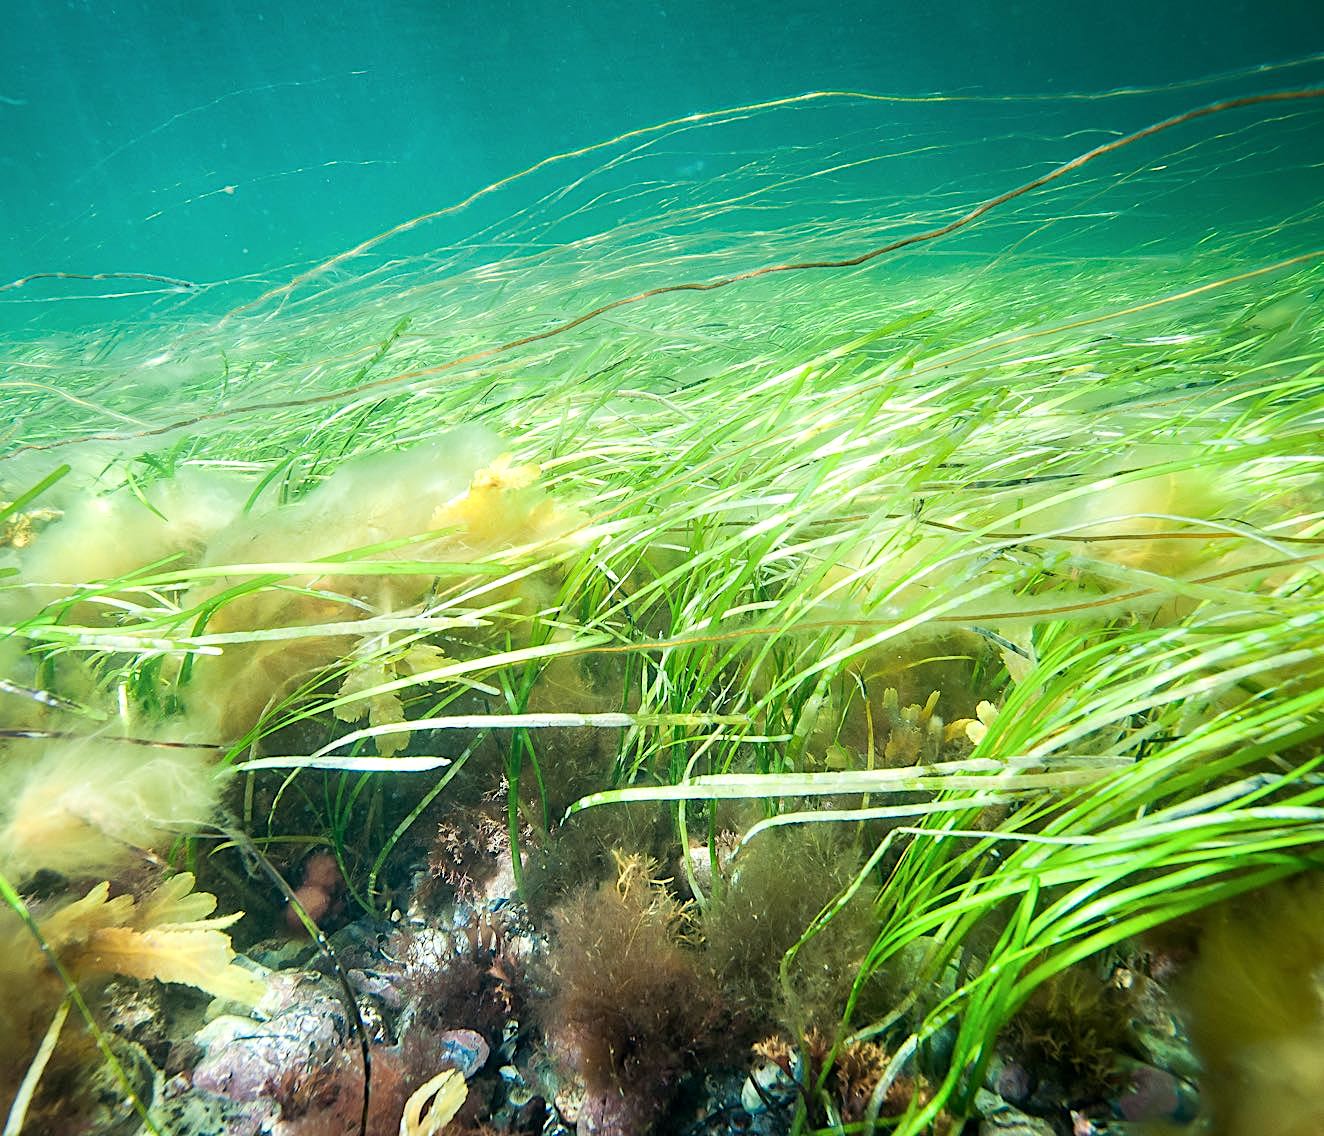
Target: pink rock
(1152, 1095)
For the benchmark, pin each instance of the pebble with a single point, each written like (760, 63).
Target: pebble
(569, 1101)
(1009, 1079)
(1001, 1119)
(1153, 1095)
(465, 1050)
(245, 1059)
(766, 1086)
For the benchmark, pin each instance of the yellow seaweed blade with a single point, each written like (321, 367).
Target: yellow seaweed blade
(446, 1092)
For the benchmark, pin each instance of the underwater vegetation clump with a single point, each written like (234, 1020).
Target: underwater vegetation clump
(169, 934)
(632, 1011)
(85, 806)
(775, 891)
(1257, 1023)
(816, 659)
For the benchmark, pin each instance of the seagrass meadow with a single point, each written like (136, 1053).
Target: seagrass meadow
(812, 616)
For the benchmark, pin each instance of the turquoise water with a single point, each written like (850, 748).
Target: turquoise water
(210, 141)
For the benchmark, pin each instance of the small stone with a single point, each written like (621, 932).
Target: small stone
(1153, 1095)
(530, 1116)
(1008, 1079)
(569, 1100)
(509, 1039)
(1013, 1083)
(1000, 1119)
(246, 1060)
(465, 1050)
(188, 1111)
(375, 985)
(1168, 1049)
(768, 1085)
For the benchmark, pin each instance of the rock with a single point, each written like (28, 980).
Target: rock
(1014, 1083)
(385, 988)
(1152, 1095)
(998, 1118)
(569, 1101)
(247, 1060)
(187, 1111)
(463, 1049)
(1009, 1080)
(766, 1087)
